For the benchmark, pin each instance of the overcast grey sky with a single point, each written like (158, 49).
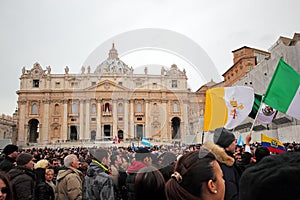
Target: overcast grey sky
(65, 32)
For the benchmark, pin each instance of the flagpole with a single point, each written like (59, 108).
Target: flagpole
(256, 115)
(202, 137)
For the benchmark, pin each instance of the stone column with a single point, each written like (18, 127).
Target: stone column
(165, 128)
(64, 135)
(81, 118)
(184, 129)
(22, 131)
(115, 118)
(147, 120)
(87, 120)
(98, 132)
(131, 118)
(44, 135)
(126, 117)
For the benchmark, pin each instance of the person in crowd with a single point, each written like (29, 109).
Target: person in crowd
(149, 184)
(115, 167)
(260, 153)
(167, 164)
(122, 176)
(198, 176)
(11, 152)
(245, 161)
(142, 159)
(98, 183)
(275, 177)
(6, 192)
(69, 180)
(43, 190)
(49, 179)
(56, 165)
(22, 177)
(226, 139)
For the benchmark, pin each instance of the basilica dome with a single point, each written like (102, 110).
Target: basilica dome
(112, 65)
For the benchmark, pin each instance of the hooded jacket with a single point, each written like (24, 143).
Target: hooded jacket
(97, 184)
(69, 184)
(23, 183)
(229, 168)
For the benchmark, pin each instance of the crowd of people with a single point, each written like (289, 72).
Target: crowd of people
(215, 170)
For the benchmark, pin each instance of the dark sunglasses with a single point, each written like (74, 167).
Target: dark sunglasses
(4, 190)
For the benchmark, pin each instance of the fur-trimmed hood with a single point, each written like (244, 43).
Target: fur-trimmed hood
(219, 153)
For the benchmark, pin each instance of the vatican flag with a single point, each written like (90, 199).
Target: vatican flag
(227, 107)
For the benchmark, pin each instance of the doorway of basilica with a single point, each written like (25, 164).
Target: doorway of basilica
(73, 133)
(175, 128)
(33, 125)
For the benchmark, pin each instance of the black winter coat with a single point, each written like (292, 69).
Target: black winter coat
(7, 164)
(23, 183)
(232, 178)
(43, 190)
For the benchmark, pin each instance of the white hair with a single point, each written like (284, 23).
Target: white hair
(69, 159)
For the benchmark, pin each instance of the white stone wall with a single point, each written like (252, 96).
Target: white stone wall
(260, 76)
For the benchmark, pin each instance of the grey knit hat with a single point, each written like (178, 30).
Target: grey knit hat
(24, 158)
(223, 137)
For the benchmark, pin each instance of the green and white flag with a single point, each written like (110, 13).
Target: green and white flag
(263, 113)
(283, 92)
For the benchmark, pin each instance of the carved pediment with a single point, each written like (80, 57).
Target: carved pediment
(175, 72)
(107, 85)
(36, 71)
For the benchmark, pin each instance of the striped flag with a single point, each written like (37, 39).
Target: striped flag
(145, 142)
(283, 92)
(274, 145)
(227, 107)
(240, 141)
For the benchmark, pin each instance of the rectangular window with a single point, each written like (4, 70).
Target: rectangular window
(154, 85)
(93, 83)
(120, 83)
(120, 119)
(175, 107)
(174, 83)
(74, 84)
(74, 108)
(57, 84)
(138, 107)
(36, 83)
(93, 119)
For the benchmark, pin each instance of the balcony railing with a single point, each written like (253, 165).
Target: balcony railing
(139, 114)
(107, 114)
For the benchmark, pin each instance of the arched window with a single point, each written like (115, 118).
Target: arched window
(139, 107)
(175, 107)
(106, 107)
(155, 106)
(74, 108)
(120, 108)
(56, 109)
(34, 109)
(94, 108)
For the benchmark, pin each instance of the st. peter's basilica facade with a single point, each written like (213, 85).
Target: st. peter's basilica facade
(110, 102)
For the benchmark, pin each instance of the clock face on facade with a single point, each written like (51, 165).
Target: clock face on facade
(106, 86)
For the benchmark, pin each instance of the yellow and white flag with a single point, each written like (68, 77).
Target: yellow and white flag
(227, 107)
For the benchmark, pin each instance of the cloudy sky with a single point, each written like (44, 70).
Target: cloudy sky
(65, 32)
